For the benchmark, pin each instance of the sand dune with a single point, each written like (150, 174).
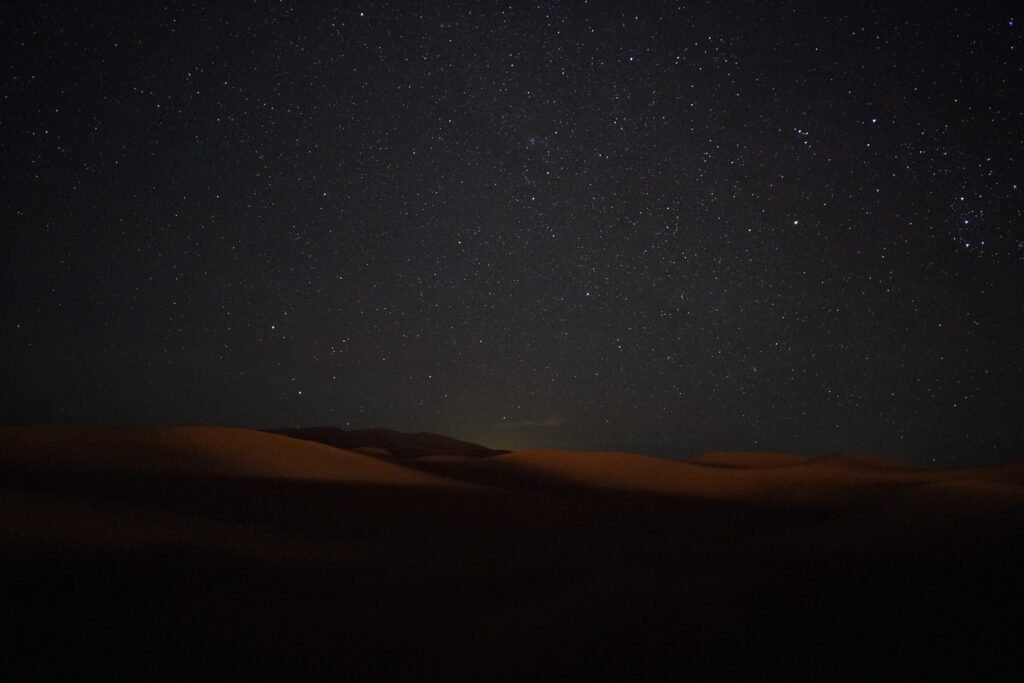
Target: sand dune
(640, 474)
(732, 476)
(195, 450)
(749, 478)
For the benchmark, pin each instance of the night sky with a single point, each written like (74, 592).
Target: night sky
(659, 227)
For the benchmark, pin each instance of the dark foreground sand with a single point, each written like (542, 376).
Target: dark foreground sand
(202, 553)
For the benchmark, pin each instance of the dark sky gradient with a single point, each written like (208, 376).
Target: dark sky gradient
(659, 227)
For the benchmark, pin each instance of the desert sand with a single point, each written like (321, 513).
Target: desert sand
(209, 553)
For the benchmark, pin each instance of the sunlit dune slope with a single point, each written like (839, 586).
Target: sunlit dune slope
(195, 450)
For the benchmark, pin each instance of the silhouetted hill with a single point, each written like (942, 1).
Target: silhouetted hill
(399, 445)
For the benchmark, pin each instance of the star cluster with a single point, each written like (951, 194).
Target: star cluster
(660, 227)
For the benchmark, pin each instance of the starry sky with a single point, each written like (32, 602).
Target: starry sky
(663, 227)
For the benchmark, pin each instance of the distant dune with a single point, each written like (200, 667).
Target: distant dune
(201, 553)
